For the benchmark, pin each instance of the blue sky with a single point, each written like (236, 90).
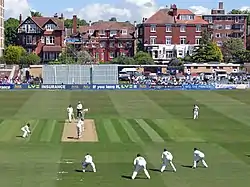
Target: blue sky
(104, 9)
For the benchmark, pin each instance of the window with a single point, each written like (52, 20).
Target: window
(102, 32)
(236, 19)
(208, 19)
(112, 44)
(102, 44)
(219, 27)
(111, 55)
(182, 28)
(50, 27)
(198, 28)
(228, 27)
(182, 40)
(186, 17)
(168, 28)
(218, 35)
(29, 50)
(28, 39)
(42, 40)
(168, 40)
(50, 56)
(169, 54)
(124, 32)
(197, 40)
(153, 28)
(207, 67)
(91, 31)
(50, 40)
(112, 33)
(153, 40)
(195, 67)
(120, 45)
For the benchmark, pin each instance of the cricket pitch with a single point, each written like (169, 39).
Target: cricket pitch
(89, 133)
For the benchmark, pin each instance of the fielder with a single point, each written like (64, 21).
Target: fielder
(70, 111)
(26, 130)
(167, 158)
(88, 160)
(79, 108)
(79, 128)
(140, 164)
(196, 111)
(199, 156)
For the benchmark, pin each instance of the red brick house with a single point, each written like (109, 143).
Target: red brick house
(227, 25)
(171, 32)
(42, 35)
(104, 40)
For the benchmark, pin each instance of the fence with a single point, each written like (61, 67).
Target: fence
(80, 74)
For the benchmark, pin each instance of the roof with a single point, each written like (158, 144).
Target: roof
(52, 48)
(41, 21)
(109, 25)
(226, 15)
(163, 16)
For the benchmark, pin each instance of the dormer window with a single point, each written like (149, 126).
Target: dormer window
(186, 17)
(91, 31)
(50, 27)
(102, 32)
(112, 33)
(124, 32)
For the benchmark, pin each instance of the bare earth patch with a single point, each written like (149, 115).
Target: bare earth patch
(89, 133)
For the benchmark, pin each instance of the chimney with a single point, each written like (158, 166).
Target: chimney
(61, 17)
(20, 19)
(90, 23)
(221, 5)
(55, 16)
(174, 10)
(74, 24)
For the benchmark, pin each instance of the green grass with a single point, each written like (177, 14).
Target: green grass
(127, 122)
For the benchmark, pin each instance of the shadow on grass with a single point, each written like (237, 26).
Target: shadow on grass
(19, 137)
(78, 170)
(72, 138)
(187, 166)
(248, 155)
(129, 177)
(156, 170)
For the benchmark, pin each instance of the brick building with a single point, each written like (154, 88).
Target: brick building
(104, 40)
(226, 26)
(42, 35)
(171, 32)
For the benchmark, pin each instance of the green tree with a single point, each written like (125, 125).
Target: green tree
(68, 23)
(232, 49)
(10, 31)
(123, 60)
(113, 19)
(35, 14)
(13, 54)
(143, 58)
(30, 59)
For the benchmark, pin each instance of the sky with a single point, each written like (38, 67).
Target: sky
(123, 10)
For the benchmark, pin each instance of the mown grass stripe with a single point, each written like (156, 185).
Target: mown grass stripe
(159, 131)
(177, 131)
(57, 132)
(121, 132)
(8, 128)
(130, 131)
(109, 127)
(36, 133)
(142, 134)
(101, 132)
(47, 131)
(155, 137)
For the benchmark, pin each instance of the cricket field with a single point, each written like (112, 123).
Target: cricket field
(122, 124)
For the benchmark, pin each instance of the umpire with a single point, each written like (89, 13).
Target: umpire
(79, 108)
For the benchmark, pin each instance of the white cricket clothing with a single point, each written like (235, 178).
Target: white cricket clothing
(140, 161)
(198, 154)
(79, 106)
(70, 110)
(25, 128)
(166, 156)
(79, 123)
(88, 158)
(196, 108)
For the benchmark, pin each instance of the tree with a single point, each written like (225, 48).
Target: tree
(10, 31)
(68, 23)
(237, 11)
(35, 14)
(83, 57)
(13, 54)
(30, 59)
(113, 19)
(143, 58)
(232, 49)
(123, 60)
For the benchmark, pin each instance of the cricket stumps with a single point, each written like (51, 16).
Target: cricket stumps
(70, 132)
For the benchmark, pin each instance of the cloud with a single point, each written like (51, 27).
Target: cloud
(244, 8)
(199, 10)
(13, 8)
(97, 11)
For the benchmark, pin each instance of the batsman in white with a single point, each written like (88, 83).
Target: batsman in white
(79, 109)
(88, 160)
(79, 128)
(140, 164)
(26, 130)
(199, 156)
(196, 111)
(70, 111)
(167, 158)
